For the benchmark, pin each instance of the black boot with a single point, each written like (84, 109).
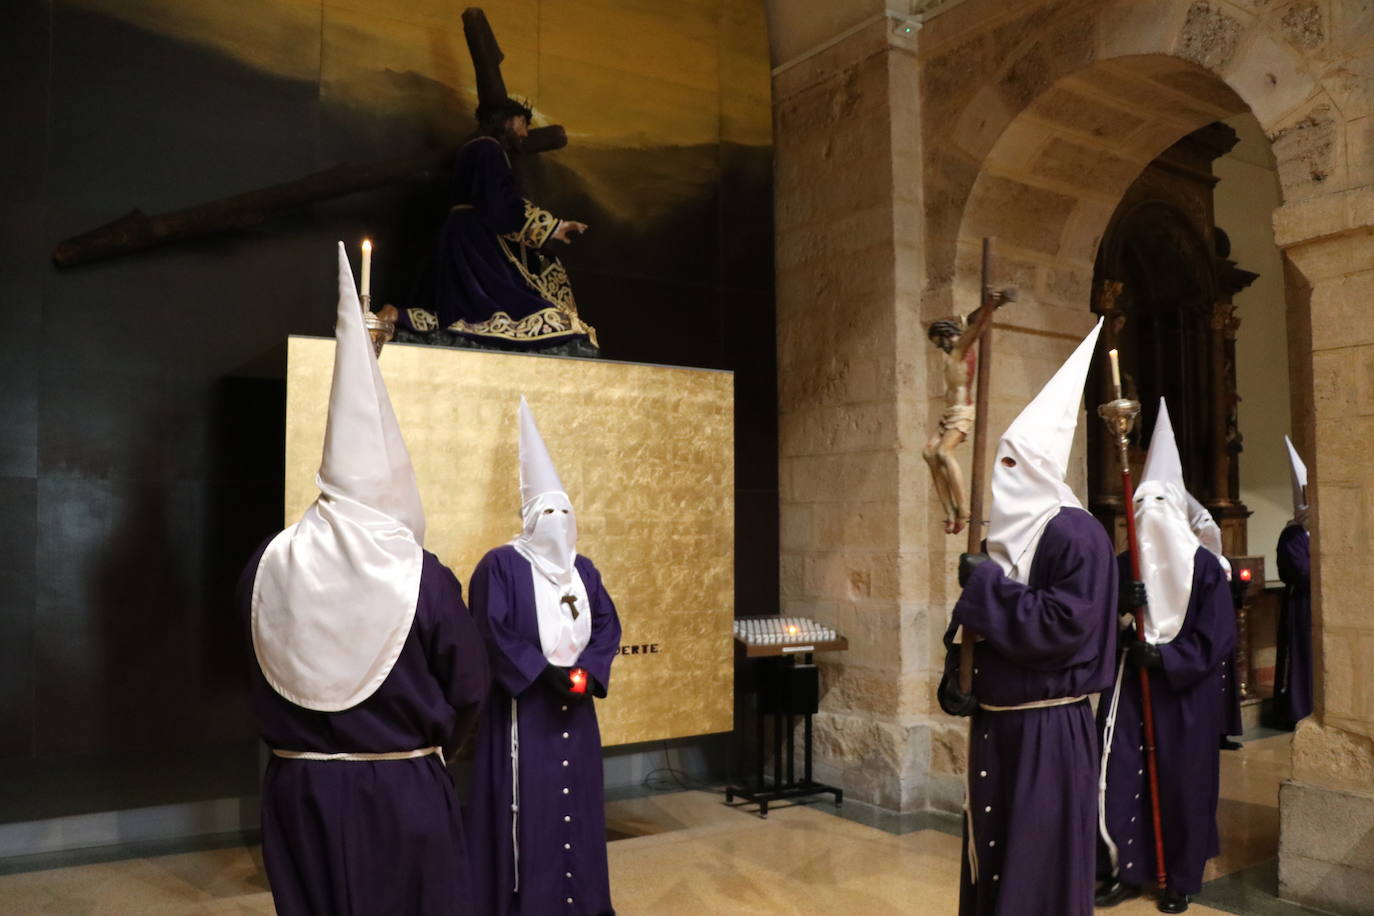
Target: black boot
(1114, 892)
(1172, 902)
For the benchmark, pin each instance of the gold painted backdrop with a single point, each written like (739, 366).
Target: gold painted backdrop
(647, 456)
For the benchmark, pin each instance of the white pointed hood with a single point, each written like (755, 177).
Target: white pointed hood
(335, 593)
(1028, 494)
(1164, 532)
(1298, 475)
(548, 537)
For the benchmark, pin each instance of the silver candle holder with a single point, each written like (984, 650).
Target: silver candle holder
(379, 329)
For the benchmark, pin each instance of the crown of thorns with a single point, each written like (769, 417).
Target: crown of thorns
(508, 107)
(946, 327)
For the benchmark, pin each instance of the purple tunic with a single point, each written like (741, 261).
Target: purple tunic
(495, 280)
(364, 837)
(1293, 665)
(561, 863)
(1033, 773)
(1189, 700)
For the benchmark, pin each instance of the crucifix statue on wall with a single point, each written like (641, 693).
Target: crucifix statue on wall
(955, 337)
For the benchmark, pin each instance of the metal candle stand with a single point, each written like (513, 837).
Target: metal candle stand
(783, 691)
(379, 329)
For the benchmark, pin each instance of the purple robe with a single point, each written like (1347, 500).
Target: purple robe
(363, 837)
(1293, 664)
(1189, 701)
(1033, 773)
(561, 820)
(493, 278)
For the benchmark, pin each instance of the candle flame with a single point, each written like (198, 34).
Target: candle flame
(1245, 575)
(367, 244)
(1112, 354)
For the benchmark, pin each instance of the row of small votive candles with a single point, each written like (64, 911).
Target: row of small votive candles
(781, 630)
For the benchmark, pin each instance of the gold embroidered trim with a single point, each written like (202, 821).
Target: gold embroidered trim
(539, 225)
(422, 320)
(543, 324)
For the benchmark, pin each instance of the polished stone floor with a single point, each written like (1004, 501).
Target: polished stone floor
(687, 853)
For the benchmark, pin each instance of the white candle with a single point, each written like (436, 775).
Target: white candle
(367, 268)
(1116, 369)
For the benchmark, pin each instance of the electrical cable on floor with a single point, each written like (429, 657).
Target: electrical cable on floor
(672, 778)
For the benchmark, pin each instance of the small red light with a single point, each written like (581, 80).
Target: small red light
(579, 680)
(1245, 575)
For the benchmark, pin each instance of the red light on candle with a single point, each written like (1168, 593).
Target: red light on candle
(1245, 575)
(579, 680)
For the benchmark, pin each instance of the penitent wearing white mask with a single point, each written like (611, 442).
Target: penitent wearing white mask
(548, 540)
(335, 593)
(1164, 531)
(1028, 474)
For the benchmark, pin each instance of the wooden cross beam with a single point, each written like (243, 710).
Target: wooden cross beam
(136, 231)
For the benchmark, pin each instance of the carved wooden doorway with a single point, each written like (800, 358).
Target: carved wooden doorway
(1165, 283)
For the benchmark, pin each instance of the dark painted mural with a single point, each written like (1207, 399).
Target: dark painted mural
(142, 398)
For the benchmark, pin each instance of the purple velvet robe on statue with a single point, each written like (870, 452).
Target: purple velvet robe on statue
(1033, 773)
(561, 861)
(494, 278)
(1293, 665)
(1190, 704)
(354, 838)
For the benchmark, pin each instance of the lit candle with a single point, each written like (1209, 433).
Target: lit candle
(1116, 369)
(367, 267)
(579, 680)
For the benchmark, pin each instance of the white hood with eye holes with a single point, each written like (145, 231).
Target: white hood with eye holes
(1028, 474)
(1164, 531)
(548, 540)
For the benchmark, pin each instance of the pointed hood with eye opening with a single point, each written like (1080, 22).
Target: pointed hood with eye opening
(548, 538)
(1029, 474)
(1164, 532)
(335, 593)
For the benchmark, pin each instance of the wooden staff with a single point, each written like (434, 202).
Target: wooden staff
(980, 450)
(1120, 416)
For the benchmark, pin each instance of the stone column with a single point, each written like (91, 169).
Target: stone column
(852, 409)
(1326, 854)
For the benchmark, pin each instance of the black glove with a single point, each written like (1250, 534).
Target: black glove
(1144, 655)
(1132, 596)
(953, 700)
(557, 678)
(968, 562)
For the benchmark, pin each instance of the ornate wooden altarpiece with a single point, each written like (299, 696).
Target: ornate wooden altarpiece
(1165, 283)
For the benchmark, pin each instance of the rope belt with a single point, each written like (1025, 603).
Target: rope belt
(388, 755)
(1035, 704)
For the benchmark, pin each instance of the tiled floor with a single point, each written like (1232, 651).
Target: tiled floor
(688, 854)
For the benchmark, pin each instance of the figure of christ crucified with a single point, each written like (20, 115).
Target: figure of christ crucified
(960, 363)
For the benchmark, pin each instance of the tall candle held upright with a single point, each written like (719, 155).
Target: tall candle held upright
(1111, 354)
(367, 268)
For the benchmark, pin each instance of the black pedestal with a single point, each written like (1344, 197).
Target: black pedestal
(783, 690)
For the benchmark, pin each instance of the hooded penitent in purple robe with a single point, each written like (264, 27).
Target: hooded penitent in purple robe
(1033, 772)
(537, 824)
(384, 836)
(366, 667)
(1189, 702)
(1293, 665)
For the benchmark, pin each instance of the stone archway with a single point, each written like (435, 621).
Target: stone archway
(1026, 121)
